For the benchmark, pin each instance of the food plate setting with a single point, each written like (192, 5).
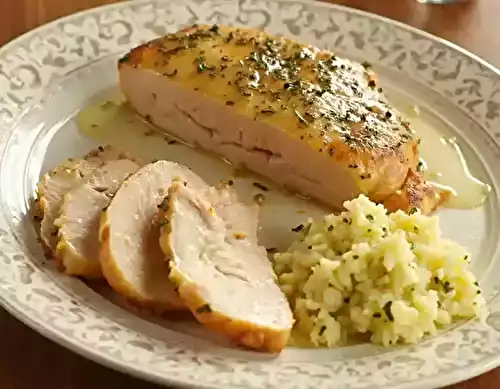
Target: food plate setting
(252, 194)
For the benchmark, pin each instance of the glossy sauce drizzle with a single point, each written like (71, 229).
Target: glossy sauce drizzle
(444, 165)
(442, 161)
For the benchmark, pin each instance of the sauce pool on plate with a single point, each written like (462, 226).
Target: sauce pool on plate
(444, 165)
(442, 161)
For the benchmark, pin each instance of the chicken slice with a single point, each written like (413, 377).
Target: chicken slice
(131, 259)
(222, 274)
(79, 218)
(55, 184)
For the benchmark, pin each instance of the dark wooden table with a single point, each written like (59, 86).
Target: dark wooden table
(29, 361)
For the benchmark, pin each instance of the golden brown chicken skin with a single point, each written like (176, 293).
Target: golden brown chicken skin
(415, 193)
(312, 122)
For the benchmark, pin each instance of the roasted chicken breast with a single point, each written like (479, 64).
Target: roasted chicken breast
(222, 274)
(313, 122)
(131, 258)
(415, 193)
(55, 184)
(79, 218)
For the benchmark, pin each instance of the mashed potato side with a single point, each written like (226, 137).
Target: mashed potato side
(392, 277)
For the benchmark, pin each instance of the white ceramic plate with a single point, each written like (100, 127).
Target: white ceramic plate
(47, 75)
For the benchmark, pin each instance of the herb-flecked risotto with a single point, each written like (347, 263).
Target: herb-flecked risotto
(392, 277)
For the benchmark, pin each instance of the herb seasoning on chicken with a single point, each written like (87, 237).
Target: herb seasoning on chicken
(79, 217)
(131, 259)
(313, 122)
(221, 272)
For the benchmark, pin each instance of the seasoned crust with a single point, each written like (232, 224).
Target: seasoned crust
(415, 193)
(254, 337)
(310, 93)
(73, 264)
(331, 106)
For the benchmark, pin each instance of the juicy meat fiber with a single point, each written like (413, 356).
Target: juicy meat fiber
(131, 258)
(312, 122)
(222, 273)
(79, 218)
(55, 184)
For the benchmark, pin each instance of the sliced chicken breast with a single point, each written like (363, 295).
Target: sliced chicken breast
(80, 215)
(222, 274)
(131, 258)
(55, 184)
(304, 118)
